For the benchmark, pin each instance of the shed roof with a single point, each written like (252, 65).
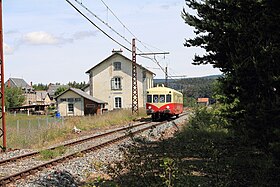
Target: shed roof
(84, 95)
(202, 100)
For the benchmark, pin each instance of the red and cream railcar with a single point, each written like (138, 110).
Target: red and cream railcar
(163, 102)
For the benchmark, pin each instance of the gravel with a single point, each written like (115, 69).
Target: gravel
(75, 171)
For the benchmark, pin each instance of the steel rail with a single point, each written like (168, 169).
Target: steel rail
(31, 154)
(9, 179)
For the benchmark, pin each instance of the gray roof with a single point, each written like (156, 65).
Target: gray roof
(41, 94)
(114, 54)
(84, 95)
(18, 83)
(53, 87)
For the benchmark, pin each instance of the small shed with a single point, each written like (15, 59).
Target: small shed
(75, 102)
(203, 101)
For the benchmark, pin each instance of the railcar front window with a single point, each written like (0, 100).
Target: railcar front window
(168, 98)
(149, 98)
(155, 98)
(162, 98)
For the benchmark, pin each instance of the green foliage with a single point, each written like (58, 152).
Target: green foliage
(40, 86)
(74, 84)
(169, 171)
(60, 90)
(13, 97)
(208, 119)
(48, 154)
(189, 102)
(200, 155)
(244, 45)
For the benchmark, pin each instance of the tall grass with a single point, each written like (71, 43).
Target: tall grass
(30, 136)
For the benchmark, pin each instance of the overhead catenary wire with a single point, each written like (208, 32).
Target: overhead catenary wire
(121, 36)
(98, 27)
(107, 24)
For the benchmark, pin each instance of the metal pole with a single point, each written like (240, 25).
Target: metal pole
(2, 95)
(134, 80)
(166, 77)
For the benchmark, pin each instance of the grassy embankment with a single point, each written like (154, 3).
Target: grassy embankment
(204, 153)
(25, 132)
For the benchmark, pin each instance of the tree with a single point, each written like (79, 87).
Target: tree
(13, 97)
(241, 38)
(40, 86)
(60, 90)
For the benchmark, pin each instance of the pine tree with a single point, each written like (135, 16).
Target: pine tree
(241, 38)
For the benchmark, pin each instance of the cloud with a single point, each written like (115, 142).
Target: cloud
(45, 38)
(168, 6)
(40, 38)
(84, 34)
(8, 50)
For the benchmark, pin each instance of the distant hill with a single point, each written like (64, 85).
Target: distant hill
(192, 87)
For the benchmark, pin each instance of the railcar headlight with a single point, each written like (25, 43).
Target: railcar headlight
(149, 107)
(167, 107)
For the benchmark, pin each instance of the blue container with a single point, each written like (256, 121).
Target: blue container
(57, 114)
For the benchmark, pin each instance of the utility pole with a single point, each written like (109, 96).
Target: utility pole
(134, 80)
(166, 76)
(2, 96)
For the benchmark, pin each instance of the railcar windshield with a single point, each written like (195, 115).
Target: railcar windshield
(162, 98)
(159, 98)
(155, 98)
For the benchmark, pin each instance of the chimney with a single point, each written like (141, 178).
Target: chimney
(31, 83)
(117, 51)
(9, 83)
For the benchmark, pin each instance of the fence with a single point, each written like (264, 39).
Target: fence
(35, 124)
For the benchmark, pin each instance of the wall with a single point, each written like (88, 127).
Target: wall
(100, 82)
(63, 106)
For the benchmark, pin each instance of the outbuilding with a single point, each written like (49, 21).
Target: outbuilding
(75, 102)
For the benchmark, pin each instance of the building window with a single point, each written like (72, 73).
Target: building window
(78, 99)
(62, 99)
(116, 83)
(70, 107)
(70, 99)
(117, 66)
(118, 102)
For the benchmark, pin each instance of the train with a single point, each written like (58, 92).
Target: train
(163, 102)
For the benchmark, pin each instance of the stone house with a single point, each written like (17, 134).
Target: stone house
(111, 81)
(28, 91)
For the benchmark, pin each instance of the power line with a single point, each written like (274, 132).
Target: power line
(107, 24)
(98, 27)
(82, 5)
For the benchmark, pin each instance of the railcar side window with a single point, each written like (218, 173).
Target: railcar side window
(149, 98)
(162, 98)
(155, 98)
(168, 98)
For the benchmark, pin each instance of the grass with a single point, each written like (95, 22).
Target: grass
(33, 133)
(204, 153)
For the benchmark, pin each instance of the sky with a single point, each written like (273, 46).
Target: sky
(48, 41)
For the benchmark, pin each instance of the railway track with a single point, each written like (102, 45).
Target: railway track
(40, 165)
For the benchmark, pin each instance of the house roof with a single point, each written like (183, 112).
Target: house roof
(53, 87)
(83, 94)
(19, 83)
(202, 100)
(41, 94)
(115, 54)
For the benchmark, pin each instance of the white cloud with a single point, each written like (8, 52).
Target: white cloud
(7, 49)
(40, 38)
(84, 34)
